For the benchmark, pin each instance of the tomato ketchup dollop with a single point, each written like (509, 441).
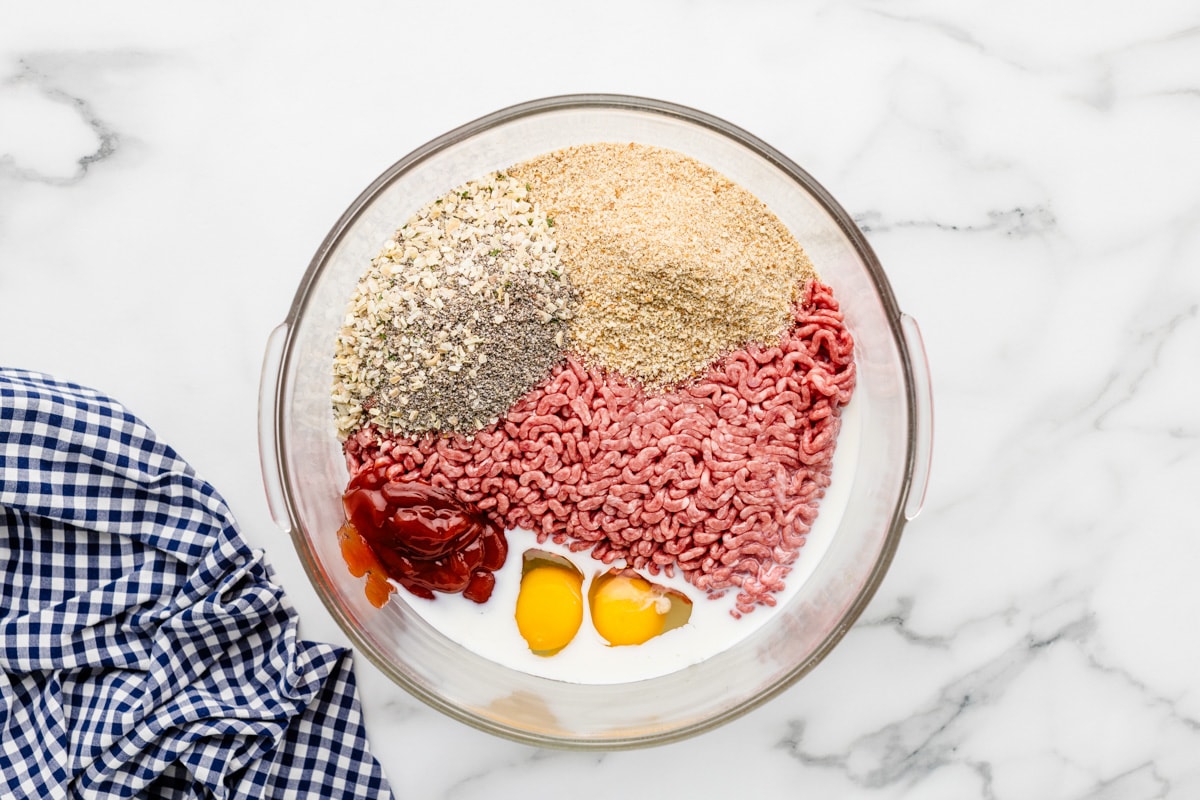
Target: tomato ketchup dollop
(420, 536)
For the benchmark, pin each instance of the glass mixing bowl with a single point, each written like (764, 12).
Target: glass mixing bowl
(887, 448)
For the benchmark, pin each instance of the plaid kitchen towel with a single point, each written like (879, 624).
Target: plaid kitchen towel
(145, 650)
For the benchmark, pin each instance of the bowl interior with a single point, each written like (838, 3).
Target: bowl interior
(872, 475)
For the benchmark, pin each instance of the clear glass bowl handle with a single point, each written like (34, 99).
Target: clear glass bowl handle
(923, 416)
(268, 389)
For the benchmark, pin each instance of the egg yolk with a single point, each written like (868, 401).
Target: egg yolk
(549, 608)
(627, 610)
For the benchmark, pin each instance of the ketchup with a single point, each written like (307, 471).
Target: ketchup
(420, 536)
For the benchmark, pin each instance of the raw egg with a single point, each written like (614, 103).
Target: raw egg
(550, 603)
(628, 609)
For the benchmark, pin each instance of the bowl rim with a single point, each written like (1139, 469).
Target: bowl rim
(274, 464)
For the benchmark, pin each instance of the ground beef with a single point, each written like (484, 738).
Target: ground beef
(719, 479)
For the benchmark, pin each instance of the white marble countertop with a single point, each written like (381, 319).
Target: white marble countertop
(1028, 175)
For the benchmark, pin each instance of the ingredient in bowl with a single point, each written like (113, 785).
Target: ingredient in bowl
(421, 536)
(719, 479)
(611, 351)
(549, 607)
(362, 561)
(627, 609)
(675, 264)
(463, 311)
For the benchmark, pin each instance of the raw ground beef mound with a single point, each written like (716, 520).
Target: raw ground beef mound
(719, 479)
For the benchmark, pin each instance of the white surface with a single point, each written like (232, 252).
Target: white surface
(1028, 175)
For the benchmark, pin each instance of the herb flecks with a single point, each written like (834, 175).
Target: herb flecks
(463, 311)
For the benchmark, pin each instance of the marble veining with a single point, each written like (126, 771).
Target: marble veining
(1028, 177)
(1018, 221)
(29, 76)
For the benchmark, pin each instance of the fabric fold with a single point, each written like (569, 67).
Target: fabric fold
(147, 650)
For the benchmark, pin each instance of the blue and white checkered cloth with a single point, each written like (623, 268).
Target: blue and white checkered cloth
(145, 650)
